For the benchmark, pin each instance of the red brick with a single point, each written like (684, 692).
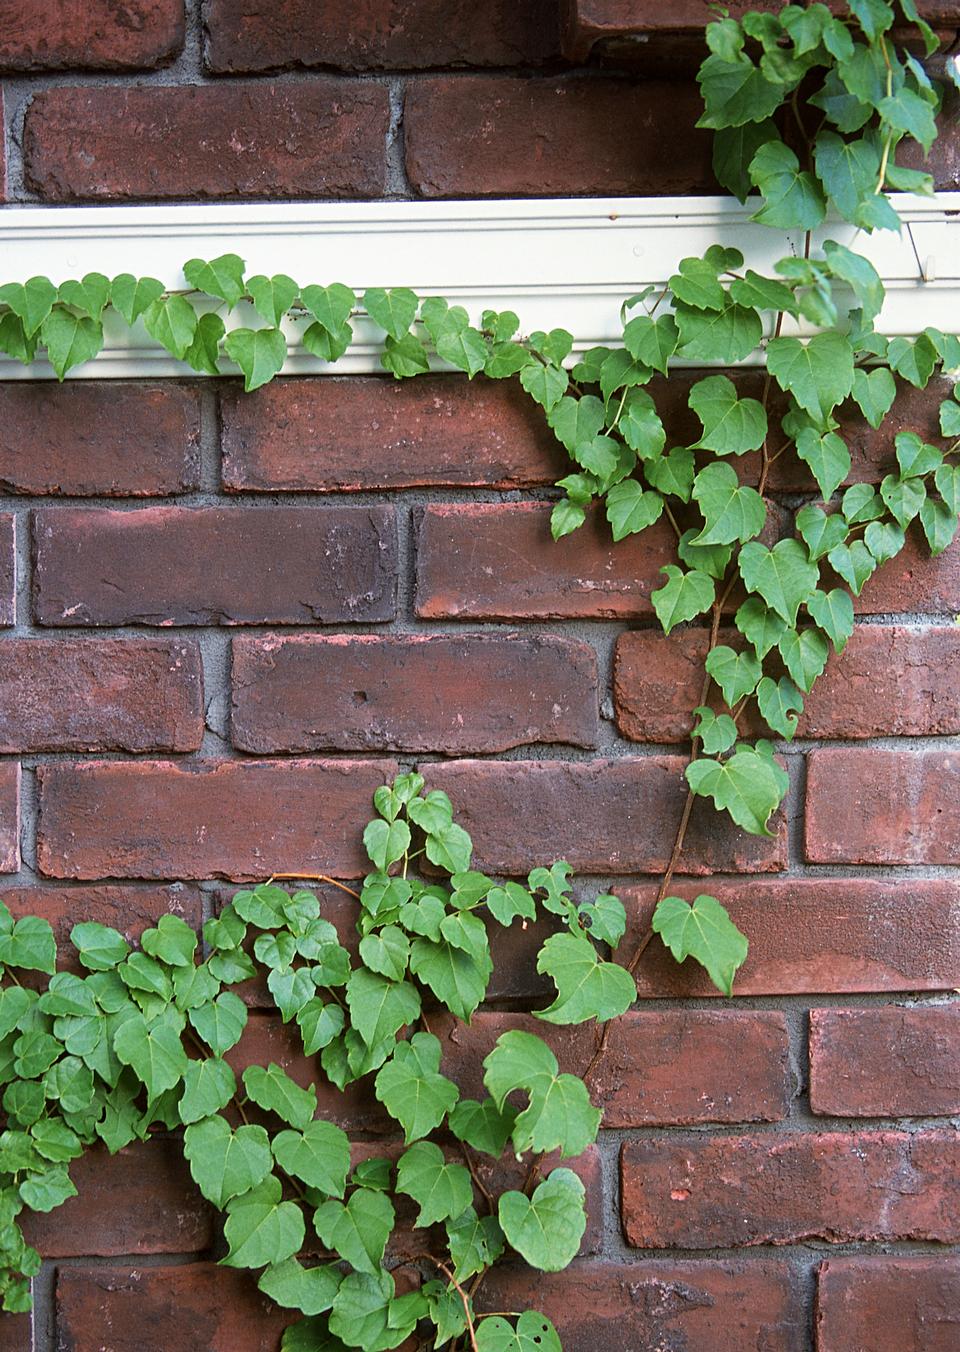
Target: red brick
(146, 1309)
(325, 138)
(602, 816)
(90, 34)
(339, 434)
(447, 693)
(3, 163)
(500, 136)
(215, 565)
(714, 1306)
(127, 909)
(141, 1200)
(9, 816)
(8, 569)
(889, 1062)
(160, 819)
(662, 1068)
(489, 561)
(242, 36)
(87, 438)
(89, 695)
(16, 1333)
(888, 1304)
(705, 1192)
(814, 935)
(883, 807)
(913, 582)
(888, 682)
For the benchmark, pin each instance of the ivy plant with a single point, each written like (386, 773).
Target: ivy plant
(810, 111)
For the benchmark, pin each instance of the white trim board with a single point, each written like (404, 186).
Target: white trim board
(565, 262)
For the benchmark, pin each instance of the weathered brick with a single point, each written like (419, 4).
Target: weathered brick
(16, 1333)
(87, 438)
(324, 138)
(215, 565)
(3, 160)
(90, 695)
(913, 582)
(826, 935)
(669, 1067)
(501, 136)
(8, 569)
(127, 909)
(141, 1200)
(488, 561)
(603, 816)
(704, 1192)
(871, 806)
(440, 693)
(161, 819)
(196, 1305)
(714, 1306)
(242, 36)
(90, 34)
(9, 816)
(888, 1062)
(889, 681)
(888, 1304)
(340, 434)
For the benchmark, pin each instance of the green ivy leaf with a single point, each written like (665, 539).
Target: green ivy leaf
(939, 525)
(915, 457)
(780, 702)
(875, 392)
(172, 941)
(507, 902)
(450, 848)
(357, 1230)
(630, 509)
(725, 336)
(368, 1315)
(652, 342)
(221, 1022)
(854, 563)
(319, 1155)
(682, 596)
(379, 1008)
(847, 169)
(203, 354)
(442, 1191)
(261, 1228)
(735, 673)
(904, 497)
(394, 309)
(545, 384)
(783, 576)
(605, 918)
(221, 277)
(272, 296)
(208, 1086)
(260, 353)
(411, 1089)
(735, 92)
(130, 296)
(820, 532)
(533, 1333)
(225, 1163)
(731, 512)
(833, 612)
(828, 458)
(717, 732)
(154, 1053)
(818, 372)
(295, 1287)
(576, 421)
(320, 342)
(731, 426)
(172, 322)
(89, 296)
(31, 301)
(914, 360)
(546, 1228)
(330, 306)
(272, 1088)
(750, 786)
(884, 540)
(672, 474)
(48, 1190)
(804, 654)
(947, 480)
(733, 150)
(386, 842)
(696, 284)
(483, 1125)
(587, 988)
(559, 1115)
(702, 931)
(70, 339)
(793, 197)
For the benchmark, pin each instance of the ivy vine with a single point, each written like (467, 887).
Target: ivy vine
(809, 112)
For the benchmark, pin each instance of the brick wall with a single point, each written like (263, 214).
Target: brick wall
(227, 618)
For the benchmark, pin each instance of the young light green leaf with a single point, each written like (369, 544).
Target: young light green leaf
(780, 702)
(442, 1191)
(411, 1088)
(386, 842)
(630, 509)
(732, 512)
(559, 1114)
(70, 339)
(804, 654)
(750, 786)
(854, 563)
(329, 305)
(820, 532)
(731, 425)
(546, 1228)
(717, 732)
(225, 1163)
(221, 277)
(682, 596)
(833, 612)
(273, 1089)
(319, 1155)
(827, 456)
(735, 673)
(272, 296)
(261, 1228)
(652, 342)
(172, 321)
(394, 309)
(784, 576)
(260, 353)
(587, 988)
(875, 392)
(130, 295)
(358, 1230)
(702, 931)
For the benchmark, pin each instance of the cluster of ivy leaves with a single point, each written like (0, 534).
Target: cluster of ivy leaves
(146, 1039)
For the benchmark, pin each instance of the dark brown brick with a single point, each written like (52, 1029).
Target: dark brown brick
(714, 1306)
(888, 1304)
(814, 935)
(602, 816)
(16, 1333)
(339, 434)
(118, 439)
(90, 34)
(145, 1309)
(913, 582)
(889, 1062)
(9, 816)
(451, 694)
(127, 909)
(141, 1200)
(888, 682)
(215, 565)
(500, 136)
(325, 138)
(705, 1192)
(871, 806)
(663, 1068)
(100, 695)
(497, 561)
(8, 569)
(242, 36)
(160, 819)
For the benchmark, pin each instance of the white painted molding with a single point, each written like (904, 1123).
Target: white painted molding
(561, 261)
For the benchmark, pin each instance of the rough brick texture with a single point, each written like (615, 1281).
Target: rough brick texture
(504, 137)
(158, 819)
(888, 1062)
(323, 139)
(336, 435)
(8, 569)
(409, 694)
(9, 816)
(242, 36)
(883, 807)
(700, 1192)
(111, 694)
(210, 565)
(89, 34)
(888, 1304)
(90, 439)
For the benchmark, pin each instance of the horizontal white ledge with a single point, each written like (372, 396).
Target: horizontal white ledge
(561, 262)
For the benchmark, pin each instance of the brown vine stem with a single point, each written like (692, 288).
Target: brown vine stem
(406, 1259)
(313, 878)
